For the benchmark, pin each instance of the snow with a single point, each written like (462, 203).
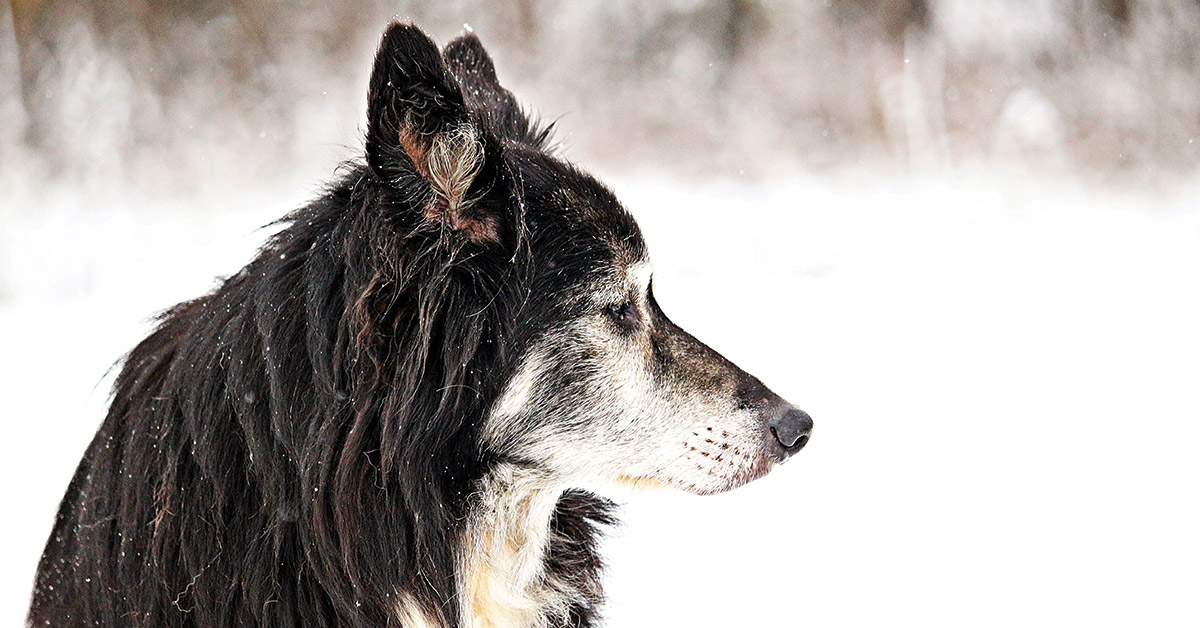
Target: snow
(1003, 379)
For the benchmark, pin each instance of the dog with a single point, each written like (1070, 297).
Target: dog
(389, 416)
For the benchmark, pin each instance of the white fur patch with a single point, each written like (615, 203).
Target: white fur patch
(503, 581)
(640, 276)
(516, 395)
(410, 614)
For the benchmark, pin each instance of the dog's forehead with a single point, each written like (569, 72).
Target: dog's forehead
(578, 214)
(597, 213)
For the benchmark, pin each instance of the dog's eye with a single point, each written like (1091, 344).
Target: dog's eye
(624, 314)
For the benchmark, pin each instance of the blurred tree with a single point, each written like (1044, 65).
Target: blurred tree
(892, 18)
(147, 89)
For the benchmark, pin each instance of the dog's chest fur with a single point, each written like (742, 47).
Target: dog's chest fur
(528, 559)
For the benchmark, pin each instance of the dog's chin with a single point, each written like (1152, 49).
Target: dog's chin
(711, 483)
(724, 484)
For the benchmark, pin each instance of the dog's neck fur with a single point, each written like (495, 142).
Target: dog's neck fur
(504, 582)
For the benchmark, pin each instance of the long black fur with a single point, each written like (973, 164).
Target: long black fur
(297, 447)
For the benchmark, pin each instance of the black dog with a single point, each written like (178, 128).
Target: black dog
(384, 419)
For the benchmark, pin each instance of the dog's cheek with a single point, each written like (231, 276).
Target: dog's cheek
(589, 407)
(617, 419)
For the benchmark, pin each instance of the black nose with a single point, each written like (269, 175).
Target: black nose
(792, 428)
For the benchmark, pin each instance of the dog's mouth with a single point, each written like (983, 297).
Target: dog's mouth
(715, 460)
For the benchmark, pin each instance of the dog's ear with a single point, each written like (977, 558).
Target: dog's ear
(471, 64)
(422, 138)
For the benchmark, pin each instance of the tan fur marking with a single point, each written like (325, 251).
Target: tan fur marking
(450, 162)
(454, 160)
(455, 157)
(640, 483)
(413, 144)
(162, 499)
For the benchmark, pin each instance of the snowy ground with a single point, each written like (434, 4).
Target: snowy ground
(1005, 387)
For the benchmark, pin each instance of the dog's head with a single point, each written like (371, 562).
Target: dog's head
(600, 385)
